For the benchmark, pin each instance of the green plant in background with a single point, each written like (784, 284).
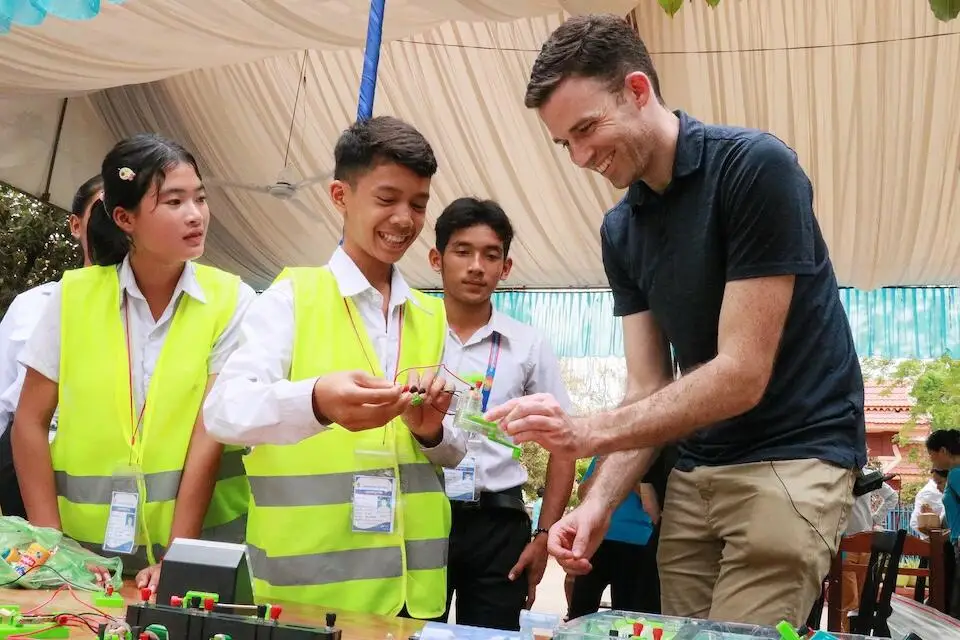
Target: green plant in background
(909, 490)
(934, 385)
(944, 10)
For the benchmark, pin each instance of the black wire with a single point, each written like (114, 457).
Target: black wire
(794, 505)
(46, 566)
(802, 47)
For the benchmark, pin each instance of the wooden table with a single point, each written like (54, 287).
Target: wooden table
(354, 626)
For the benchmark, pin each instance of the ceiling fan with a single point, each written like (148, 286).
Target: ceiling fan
(288, 183)
(286, 187)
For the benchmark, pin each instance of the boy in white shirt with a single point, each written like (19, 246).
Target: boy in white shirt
(15, 329)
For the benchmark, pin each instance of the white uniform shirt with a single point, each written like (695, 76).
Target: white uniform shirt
(254, 401)
(928, 495)
(526, 365)
(146, 334)
(17, 325)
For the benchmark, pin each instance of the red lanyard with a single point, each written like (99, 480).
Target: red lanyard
(135, 421)
(356, 331)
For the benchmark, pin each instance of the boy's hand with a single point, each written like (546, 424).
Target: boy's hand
(356, 401)
(424, 417)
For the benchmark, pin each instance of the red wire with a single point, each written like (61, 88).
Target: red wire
(432, 366)
(49, 600)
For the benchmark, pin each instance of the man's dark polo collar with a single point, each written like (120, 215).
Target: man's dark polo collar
(688, 158)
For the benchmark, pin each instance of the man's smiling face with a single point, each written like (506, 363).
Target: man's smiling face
(605, 131)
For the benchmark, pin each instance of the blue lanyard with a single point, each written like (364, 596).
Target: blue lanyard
(491, 371)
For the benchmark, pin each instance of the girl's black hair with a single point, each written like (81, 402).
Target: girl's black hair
(948, 439)
(85, 194)
(131, 169)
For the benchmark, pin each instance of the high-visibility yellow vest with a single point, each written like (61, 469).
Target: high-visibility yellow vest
(94, 427)
(299, 530)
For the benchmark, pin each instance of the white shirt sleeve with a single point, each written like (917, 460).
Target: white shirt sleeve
(452, 447)
(229, 340)
(545, 375)
(10, 349)
(253, 401)
(42, 352)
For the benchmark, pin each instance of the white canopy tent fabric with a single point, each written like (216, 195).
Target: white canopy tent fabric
(864, 90)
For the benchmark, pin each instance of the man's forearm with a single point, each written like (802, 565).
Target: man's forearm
(618, 475)
(31, 458)
(556, 496)
(712, 393)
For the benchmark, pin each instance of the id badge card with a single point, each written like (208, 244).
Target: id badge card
(124, 516)
(374, 503)
(461, 483)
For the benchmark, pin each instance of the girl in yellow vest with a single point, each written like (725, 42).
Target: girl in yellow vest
(128, 349)
(351, 512)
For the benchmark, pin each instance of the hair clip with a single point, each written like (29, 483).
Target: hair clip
(127, 174)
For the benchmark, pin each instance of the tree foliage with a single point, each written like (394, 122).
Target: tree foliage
(944, 10)
(934, 385)
(36, 244)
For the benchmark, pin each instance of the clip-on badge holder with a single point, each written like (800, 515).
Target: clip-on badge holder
(374, 491)
(127, 487)
(469, 418)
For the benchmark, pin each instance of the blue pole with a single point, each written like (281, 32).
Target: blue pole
(371, 58)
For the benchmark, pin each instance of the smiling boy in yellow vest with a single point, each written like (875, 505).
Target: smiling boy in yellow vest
(351, 513)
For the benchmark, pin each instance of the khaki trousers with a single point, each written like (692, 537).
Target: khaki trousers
(751, 543)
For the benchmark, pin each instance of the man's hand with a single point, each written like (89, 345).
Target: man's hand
(534, 560)
(424, 418)
(356, 401)
(539, 418)
(149, 577)
(575, 537)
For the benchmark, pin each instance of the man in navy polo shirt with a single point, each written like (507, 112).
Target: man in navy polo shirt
(714, 250)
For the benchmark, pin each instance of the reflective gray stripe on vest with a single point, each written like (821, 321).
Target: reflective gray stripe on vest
(160, 486)
(335, 488)
(233, 531)
(339, 566)
(99, 489)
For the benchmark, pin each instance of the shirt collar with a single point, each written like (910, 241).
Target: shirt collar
(688, 158)
(352, 282)
(498, 323)
(187, 283)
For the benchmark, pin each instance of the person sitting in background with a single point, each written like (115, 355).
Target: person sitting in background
(625, 560)
(943, 447)
(929, 500)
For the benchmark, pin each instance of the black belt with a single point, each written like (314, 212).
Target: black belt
(507, 499)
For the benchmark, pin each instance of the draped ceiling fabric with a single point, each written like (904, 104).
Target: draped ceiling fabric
(853, 85)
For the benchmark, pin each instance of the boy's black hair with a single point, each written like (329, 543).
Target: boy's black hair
(367, 144)
(466, 212)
